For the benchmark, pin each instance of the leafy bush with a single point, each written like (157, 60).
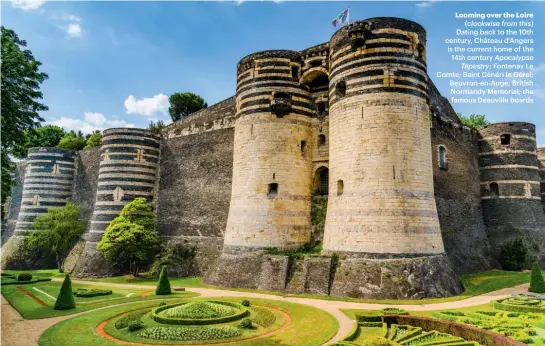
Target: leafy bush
(163, 288)
(65, 300)
(24, 277)
(199, 310)
(394, 311)
(537, 284)
(513, 255)
(132, 316)
(264, 317)
(134, 325)
(245, 302)
(190, 333)
(376, 341)
(246, 323)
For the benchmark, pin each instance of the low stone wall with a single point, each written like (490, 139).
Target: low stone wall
(406, 278)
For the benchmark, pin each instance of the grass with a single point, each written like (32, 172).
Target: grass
(475, 284)
(47, 292)
(309, 327)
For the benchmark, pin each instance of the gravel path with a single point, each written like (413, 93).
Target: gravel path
(17, 331)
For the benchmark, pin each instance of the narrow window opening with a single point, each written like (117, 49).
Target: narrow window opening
(505, 139)
(442, 157)
(340, 187)
(340, 89)
(295, 72)
(273, 190)
(320, 107)
(303, 146)
(394, 171)
(324, 182)
(321, 140)
(274, 176)
(494, 190)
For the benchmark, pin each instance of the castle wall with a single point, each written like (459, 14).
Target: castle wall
(541, 166)
(85, 183)
(458, 196)
(14, 204)
(510, 186)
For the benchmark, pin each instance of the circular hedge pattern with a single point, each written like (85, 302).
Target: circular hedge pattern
(199, 313)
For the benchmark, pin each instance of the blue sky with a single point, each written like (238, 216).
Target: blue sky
(114, 64)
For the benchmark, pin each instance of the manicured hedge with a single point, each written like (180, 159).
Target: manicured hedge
(24, 277)
(354, 333)
(25, 282)
(369, 318)
(83, 292)
(537, 284)
(65, 300)
(467, 332)
(204, 321)
(498, 304)
(163, 287)
(370, 324)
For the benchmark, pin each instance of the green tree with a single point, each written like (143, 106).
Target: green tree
(65, 299)
(537, 284)
(183, 104)
(131, 238)
(56, 232)
(474, 120)
(156, 127)
(513, 255)
(94, 140)
(163, 287)
(72, 140)
(44, 136)
(20, 95)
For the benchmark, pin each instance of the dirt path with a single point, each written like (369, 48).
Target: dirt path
(17, 331)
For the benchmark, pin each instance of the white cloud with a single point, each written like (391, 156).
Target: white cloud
(538, 68)
(73, 30)
(27, 5)
(147, 106)
(425, 4)
(92, 122)
(66, 17)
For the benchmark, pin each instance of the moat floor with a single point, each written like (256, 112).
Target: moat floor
(16, 331)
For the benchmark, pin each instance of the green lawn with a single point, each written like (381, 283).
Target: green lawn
(475, 284)
(47, 292)
(309, 326)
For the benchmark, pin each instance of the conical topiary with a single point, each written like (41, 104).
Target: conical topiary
(65, 300)
(163, 287)
(537, 284)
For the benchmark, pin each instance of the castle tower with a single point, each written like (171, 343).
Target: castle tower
(128, 169)
(270, 201)
(381, 202)
(510, 186)
(541, 164)
(48, 182)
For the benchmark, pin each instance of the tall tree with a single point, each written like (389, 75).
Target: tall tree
(131, 238)
(94, 140)
(45, 136)
(474, 120)
(183, 104)
(156, 127)
(56, 231)
(72, 140)
(20, 89)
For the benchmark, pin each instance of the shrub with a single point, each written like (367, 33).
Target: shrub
(65, 300)
(513, 255)
(245, 302)
(24, 277)
(394, 311)
(158, 315)
(199, 310)
(190, 333)
(246, 323)
(132, 316)
(134, 325)
(369, 317)
(376, 341)
(163, 287)
(537, 284)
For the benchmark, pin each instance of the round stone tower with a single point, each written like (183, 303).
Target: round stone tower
(510, 185)
(128, 169)
(270, 201)
(381, 203)
(541, 164)
(48, 182)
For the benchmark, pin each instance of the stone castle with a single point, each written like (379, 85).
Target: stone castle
(353, 131)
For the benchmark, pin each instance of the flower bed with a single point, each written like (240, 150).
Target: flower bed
(237, 312)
